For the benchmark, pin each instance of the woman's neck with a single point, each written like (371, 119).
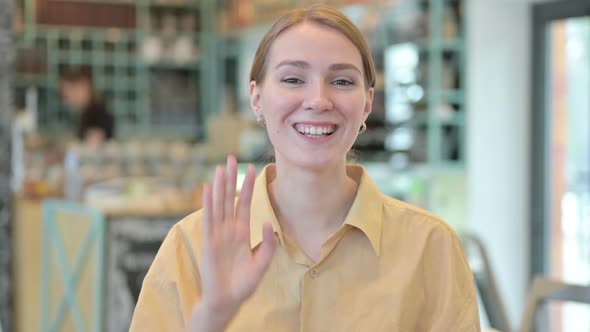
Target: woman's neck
(311, 201)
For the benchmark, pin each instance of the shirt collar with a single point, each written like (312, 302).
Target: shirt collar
(263, 212)
(366, 212)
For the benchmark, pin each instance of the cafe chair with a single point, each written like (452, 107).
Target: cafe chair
(544, 291)
(485, 282)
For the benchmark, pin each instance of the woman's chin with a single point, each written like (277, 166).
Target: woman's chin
(313, 162)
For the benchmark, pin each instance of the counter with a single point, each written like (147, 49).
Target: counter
(132, 238)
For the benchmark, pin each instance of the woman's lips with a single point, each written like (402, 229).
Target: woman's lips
(316, 129)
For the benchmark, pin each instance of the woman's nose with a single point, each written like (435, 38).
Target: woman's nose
(317, 97)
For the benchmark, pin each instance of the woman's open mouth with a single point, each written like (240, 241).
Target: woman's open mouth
(314, 131)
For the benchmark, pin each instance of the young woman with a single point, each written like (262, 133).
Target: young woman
(311, 244)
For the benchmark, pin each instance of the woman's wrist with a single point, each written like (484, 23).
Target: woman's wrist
(210, 318)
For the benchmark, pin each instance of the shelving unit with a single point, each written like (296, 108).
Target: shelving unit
(127, 72)
(430, 169)
(424, 143)
(142, 107)
(432, 102)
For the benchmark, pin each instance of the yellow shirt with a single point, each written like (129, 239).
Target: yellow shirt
(390, 267)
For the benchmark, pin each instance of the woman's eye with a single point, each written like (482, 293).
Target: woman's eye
(343, 82)
(292, 80)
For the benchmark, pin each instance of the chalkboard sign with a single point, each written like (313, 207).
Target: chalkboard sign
(132, 246)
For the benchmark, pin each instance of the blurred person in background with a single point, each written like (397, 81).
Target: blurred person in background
(96, 123)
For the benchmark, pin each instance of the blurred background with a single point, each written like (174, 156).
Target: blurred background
(114, 112)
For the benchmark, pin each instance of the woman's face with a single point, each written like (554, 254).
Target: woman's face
(313, 97)
(77, 94)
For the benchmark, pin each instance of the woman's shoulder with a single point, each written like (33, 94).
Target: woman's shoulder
(414, 228)
(190, 225)
(393, 204)
(407, 215)
(186, 233)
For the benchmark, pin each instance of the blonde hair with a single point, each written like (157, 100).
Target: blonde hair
(319, 14)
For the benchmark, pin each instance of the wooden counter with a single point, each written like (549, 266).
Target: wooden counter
(133, 237)
(26, 267)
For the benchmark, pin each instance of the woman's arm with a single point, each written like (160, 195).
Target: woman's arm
(450, 288)
(170, 287)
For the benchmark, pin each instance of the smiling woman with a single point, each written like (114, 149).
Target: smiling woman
(314, 81)
(311, 244)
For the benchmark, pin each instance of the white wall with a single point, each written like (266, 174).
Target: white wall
(498, 139)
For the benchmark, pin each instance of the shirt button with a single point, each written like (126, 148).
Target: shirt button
(314, 273)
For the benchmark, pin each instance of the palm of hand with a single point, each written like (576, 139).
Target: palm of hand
(230, 270)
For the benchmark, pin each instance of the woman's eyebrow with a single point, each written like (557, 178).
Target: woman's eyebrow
(304, 65)
(343, 66)
(296, 63)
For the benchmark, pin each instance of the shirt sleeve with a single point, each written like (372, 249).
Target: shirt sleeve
(171, 287)
(450, 287)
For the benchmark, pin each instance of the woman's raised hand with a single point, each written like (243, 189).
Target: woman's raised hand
(230, 270)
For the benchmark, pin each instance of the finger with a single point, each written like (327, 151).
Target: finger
(218, 195)
(230, 186)
(206, 227)
(245, 199)
(263, 256)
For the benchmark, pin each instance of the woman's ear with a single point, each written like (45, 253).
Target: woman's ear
(254, 97)
(368, 104)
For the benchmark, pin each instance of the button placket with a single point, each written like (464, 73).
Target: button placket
(314, 273)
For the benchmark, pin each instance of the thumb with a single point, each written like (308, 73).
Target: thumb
(263, 255)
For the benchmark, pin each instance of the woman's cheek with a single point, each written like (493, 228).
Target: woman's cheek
(283, 106)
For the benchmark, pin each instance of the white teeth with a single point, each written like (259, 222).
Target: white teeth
(313, 131)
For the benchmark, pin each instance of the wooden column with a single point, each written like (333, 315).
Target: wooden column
(6, 60)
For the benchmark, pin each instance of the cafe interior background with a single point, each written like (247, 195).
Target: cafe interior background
(481, 115)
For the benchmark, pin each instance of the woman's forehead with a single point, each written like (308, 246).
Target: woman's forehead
(312, 43)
